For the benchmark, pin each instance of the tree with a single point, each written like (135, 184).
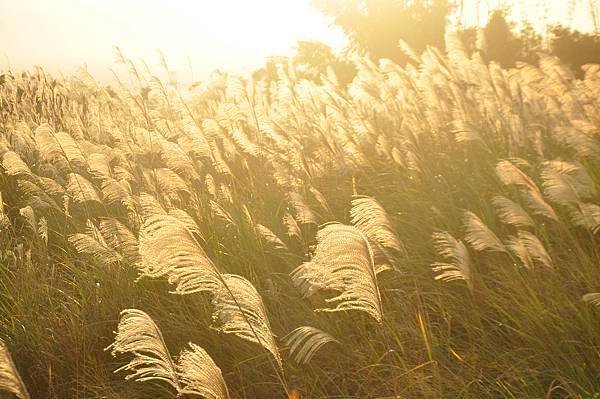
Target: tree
(501, 44)
(531, 44)
(310, 62)
(575, 48)
(378, 25)
(313, 58)
(269, 71)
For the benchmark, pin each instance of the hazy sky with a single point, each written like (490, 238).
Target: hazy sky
(230, 34)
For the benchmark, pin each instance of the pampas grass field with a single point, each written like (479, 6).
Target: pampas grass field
(428, 231)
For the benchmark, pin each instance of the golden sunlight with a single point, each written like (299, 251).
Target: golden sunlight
(226, 34)
(299, 199)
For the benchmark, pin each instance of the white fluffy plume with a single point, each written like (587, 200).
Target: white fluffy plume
(343, 262)
(458, 266)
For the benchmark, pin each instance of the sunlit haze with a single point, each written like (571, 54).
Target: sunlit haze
(299, 199)
(227, 34)
(195, 36)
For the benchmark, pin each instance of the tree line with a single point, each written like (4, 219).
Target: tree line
(376, 27)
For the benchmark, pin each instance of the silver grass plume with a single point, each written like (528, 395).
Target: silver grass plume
(342, 262)
(593, 298)
(10, 380)
(35, 196)
(293, 230)
(539, 206)
(305, 341)
(511, 213)
(138, 335)
(478, 235)
(81, 189)
(583, 142)
(528, 248)
(240, 311)
(92, 243)
(98, 166)
(168, 249)
(177, 160)
(167, 181)
(567, 183)
(510, 174)
(29, 214)
(149, 206)
(270, 237)
(4, 220)
(199, 375)
(320, 198)
(220, 213)
(114, 191)
(118, 237)
(186, 219)
(43, 229)
(49, 186)
(465, 132)
(14, 165)
(304, 215)
(372, 220)
(408, 51)
(458, 266)
(587, 216)
(57, 145)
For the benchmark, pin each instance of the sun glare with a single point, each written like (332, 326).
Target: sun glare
(195, 36)
(227, 34)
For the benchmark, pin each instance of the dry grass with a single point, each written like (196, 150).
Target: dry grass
(427, 232)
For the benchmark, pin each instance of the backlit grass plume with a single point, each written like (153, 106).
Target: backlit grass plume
(592, 298)
(10, 380)
(479, 236)
(458, 265)
(343, 263)
(511, 175)
(511, 213)
(95, 247)
(81, 189)
(14, 165)
(530, 250)
(305, 341)
(567, 183)
(372, 220)
(239, 310)
(58, 146)
(168, 249)
(194, 374)
(199, 375)
(138, 335)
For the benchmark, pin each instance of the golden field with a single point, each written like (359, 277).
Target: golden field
(431, 231)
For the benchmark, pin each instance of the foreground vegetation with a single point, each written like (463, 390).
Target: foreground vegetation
(427, 232)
